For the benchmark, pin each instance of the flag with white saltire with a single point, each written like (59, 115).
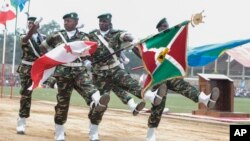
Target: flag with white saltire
(164, 55)
(45, 65)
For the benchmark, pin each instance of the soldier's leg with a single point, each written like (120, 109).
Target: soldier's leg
(65, 88)
(126, 99)
(155, 118)
(25, 103)
(123, 80)
(51, 82)
(96, 115)
(183, 87)
(85, 87)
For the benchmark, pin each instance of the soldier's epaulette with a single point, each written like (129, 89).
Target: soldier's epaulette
(93, 31)
(112, 31)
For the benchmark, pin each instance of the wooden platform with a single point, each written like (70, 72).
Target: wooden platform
(221, 114)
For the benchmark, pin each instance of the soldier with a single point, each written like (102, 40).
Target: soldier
(107, 73)
(181, 86)
(72, 76)
(30, 47)
(123, 95)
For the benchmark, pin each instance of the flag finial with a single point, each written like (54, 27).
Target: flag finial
(197, 18)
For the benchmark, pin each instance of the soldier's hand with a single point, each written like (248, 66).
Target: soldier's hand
(128, 38)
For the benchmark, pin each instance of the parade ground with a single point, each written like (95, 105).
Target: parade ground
(117, 125)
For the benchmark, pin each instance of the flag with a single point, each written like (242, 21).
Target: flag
(203, 55)
(18, 4)
(44, 66)
(7, 11)
(164, 55)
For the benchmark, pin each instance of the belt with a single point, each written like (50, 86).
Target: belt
(73, 64)
(117, 63)
(27, 62)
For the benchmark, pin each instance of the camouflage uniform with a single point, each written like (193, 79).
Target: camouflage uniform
(177, 85)
(107, 74)
(50, 82)
(70, 76)
(28, 57)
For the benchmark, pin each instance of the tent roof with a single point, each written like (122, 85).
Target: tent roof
(241, 55)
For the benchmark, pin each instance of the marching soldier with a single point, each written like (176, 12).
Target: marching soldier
(178, 85)
(72, 76)
(30, 47)
(107, 73)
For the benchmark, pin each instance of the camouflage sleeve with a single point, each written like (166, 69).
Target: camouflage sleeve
(21, 39)
(51, 41)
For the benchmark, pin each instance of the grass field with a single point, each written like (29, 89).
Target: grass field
(175, 102)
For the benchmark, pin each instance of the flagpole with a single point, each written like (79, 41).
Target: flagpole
(14, 56)
(139, 42)
(3, 59)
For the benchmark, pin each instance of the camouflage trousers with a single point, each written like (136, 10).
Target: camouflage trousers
(51, 81)
(121, 94)
(115, 79)
(78, 80)
(177, 85)
(26, 95)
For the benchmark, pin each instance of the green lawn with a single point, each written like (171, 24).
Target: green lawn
(176, 102)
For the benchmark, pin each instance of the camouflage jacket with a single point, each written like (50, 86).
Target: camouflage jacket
(28, 52)
(114, 42)
(55, 39)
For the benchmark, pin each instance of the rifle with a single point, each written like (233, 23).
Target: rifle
(111, 54)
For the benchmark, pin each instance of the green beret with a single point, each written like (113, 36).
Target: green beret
(164, 20)
(72, 15)
(32, 19)
(105, 16)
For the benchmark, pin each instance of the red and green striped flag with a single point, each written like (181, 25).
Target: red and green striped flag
(164, 55)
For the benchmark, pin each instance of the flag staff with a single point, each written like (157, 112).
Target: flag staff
(3, 59)
(14, 56)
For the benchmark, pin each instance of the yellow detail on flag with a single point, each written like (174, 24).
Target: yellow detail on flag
(162, 55)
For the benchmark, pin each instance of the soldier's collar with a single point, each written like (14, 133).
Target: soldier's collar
(103, 33)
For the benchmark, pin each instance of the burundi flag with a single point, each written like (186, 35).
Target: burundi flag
(44, 66)
(7, 11)
(164, 55)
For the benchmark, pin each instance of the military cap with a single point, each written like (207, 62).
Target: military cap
(32, 19)
(105, 16)
(71, 15)
(164, 20)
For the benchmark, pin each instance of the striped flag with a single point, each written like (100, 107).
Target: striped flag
(203, 55)
(164, 55)
(44, 66)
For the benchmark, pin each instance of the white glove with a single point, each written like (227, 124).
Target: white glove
(87, 64)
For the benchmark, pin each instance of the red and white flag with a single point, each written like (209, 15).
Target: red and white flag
(44, 66)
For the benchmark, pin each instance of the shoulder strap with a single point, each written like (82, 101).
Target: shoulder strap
(100, 37)
(33, 48)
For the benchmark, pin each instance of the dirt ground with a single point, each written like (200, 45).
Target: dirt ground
(117, 125)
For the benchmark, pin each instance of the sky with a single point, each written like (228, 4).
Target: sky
(225, 20)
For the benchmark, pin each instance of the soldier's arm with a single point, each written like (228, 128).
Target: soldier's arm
(126, 37)
(35, 26)
(136, 52)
